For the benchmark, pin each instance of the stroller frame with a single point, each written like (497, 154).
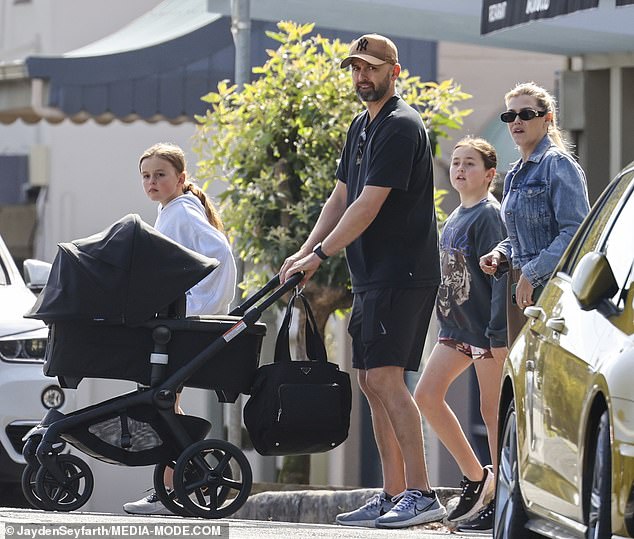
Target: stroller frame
(203, 474)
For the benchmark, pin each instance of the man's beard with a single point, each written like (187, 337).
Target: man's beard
(375, 94)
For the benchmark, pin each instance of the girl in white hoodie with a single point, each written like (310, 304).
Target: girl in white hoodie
(186, 215)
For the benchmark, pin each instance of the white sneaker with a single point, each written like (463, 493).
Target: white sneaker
(149, 505)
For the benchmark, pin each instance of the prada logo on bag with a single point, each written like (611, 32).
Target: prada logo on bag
(306, 370)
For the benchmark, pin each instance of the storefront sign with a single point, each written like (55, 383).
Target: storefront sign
(499, 14)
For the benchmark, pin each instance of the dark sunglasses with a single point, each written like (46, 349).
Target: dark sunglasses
(524, 114)
(362, 138)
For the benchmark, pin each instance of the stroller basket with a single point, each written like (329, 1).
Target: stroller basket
(134, 436)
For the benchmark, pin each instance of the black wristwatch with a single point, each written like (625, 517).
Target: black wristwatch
(317, 250)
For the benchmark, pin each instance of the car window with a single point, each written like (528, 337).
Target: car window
(618, 245)
(593, 227)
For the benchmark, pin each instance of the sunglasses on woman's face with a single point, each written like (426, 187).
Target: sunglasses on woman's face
(524, 114)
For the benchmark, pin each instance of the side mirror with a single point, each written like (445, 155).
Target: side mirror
(593, 281)
(36, 273)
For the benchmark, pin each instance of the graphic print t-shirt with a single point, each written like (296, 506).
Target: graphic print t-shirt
(471, 304)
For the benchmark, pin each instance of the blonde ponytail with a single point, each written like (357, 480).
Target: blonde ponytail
(213, 216)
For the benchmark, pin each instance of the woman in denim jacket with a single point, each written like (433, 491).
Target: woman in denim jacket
(544, 201)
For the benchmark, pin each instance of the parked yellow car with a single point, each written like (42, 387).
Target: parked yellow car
(566, 466)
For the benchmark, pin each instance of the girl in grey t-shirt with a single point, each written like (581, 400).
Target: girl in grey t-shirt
(471, 311)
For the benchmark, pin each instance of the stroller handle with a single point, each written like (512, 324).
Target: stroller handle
(291, 282)
(249, 318)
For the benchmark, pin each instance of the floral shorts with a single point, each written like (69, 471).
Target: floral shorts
(468, 350)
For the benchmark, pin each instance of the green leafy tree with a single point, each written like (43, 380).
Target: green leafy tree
(276, 142)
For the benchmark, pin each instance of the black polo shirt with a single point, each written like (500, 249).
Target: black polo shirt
(400, 247)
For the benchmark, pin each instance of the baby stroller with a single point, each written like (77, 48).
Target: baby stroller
(114, 303)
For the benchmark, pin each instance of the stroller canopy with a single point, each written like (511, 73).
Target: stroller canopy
(125, 274)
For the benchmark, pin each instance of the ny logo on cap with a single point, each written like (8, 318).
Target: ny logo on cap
(362, 45)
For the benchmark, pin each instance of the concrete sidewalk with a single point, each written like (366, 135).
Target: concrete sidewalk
(315, 506)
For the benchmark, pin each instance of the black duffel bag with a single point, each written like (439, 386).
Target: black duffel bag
(298, 407)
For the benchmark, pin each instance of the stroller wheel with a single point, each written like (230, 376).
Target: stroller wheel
(28, 485)
(167, 497)
(204, 479)
(73, 492)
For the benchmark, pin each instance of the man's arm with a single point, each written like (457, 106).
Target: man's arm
(355, 219)
(336, 234)
(329, 216)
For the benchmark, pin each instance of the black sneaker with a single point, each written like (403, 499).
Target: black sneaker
(474, 497)
(482, 524)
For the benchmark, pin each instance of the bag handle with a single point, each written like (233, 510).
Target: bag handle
(315, 349)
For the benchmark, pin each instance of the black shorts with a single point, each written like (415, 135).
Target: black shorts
(388, 326)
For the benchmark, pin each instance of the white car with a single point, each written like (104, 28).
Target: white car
(25, 393)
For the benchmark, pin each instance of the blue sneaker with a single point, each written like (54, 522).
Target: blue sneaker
(412, 508)
(366, 515)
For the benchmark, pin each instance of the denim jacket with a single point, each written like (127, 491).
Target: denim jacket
(544, 201)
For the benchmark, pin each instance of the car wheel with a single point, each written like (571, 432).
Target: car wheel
(510, 515)
(599, 507)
